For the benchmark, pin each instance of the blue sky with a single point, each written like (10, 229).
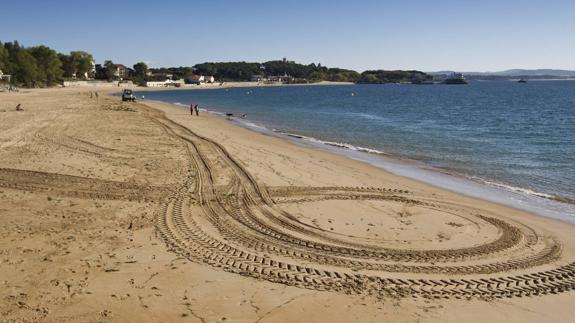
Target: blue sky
(428, 35)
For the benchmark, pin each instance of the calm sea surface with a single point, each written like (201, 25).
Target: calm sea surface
(517, 136)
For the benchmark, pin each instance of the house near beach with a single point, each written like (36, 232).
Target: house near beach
(122, 71)
(281, 78)
(258, 78)
(199, 79)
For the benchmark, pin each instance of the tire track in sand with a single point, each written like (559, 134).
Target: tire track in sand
(224, 218)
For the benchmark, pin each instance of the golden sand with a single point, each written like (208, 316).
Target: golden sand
(114, 211)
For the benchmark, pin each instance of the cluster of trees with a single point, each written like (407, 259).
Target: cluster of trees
(78, 64)
(381, 77)
(243, 71)
(232, 71)
(42, 66)
(176, 72)
(109, 72)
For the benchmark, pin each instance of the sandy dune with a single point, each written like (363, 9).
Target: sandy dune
(115, 211)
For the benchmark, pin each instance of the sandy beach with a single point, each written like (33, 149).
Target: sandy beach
(139, 212)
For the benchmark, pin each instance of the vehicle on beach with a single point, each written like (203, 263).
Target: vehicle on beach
(455, 78)
(128, 95)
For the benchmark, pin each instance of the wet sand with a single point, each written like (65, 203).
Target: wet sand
(117, 211)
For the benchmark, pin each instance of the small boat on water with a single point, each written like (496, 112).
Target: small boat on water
(522, 81)
(455, 78)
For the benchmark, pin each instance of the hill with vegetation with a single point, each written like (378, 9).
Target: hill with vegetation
(398, 76)
(246, 71)
(296, 73)
(40, 66)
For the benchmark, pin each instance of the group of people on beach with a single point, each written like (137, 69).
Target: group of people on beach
(196, 108)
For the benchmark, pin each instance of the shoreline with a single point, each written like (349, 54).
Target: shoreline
(212, 86)
(138, 212)
(540, 204)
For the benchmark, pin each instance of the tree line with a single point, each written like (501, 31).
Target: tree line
(398, 76)
(40, 66)
(244, 71)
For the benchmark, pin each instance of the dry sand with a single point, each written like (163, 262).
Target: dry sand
(127, 212)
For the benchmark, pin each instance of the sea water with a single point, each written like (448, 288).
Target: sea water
(516, 137)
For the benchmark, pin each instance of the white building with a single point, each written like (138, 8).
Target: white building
(4, 77)
(198, 79)
(167, 82)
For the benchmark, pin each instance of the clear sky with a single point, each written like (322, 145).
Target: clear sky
(429, 35)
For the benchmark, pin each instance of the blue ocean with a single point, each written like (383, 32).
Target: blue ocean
(518, 137)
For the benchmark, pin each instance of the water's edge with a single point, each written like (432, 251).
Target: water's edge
(532, 202)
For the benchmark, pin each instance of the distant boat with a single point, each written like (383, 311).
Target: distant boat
(522, 81)
(455, 78)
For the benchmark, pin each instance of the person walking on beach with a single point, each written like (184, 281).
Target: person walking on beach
(197, 108)
(192, 109)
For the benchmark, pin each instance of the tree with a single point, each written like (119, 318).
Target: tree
(3, 58)
(317, 76)
(78, 64)
(49, 66)
(232, 71)
(41, 65)
(109, 70)
(83, 63)
(380, 76)
(26, 69)
(140, 72)
(10, 65)
(68, 68)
